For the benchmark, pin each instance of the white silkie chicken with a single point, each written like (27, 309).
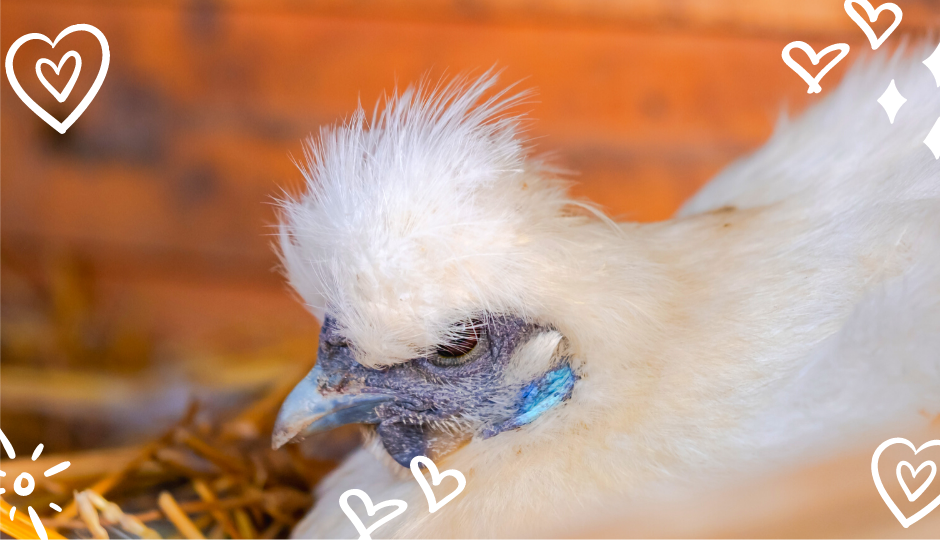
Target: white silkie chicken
(474, 313)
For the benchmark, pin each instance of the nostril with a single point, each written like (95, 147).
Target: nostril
(333, 382)
(337, 343)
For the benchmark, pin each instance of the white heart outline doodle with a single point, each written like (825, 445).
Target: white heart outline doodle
(876, 476)
(872, 17)
(813, 82)
(64, 94)
(433, 504)
(364, 533)
(923, 487)
(61, 127)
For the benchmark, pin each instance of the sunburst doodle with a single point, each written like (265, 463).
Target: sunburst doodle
(24, 484)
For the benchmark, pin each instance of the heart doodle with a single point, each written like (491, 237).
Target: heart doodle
(923, 487)
(876, 476)
(813, 82)
(61, 127)
(364, 533)
(64, 94)
(433, 504)
(872, 17)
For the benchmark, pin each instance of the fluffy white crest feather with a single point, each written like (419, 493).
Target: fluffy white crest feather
(423, 216)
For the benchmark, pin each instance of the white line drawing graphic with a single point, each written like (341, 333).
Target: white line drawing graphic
(933, 138)
(25, 483)
(891, 101)
(813, 82)
(923, 487)
(364, 533)
(61, 127)
(64, 94)
(933, 64)
(433, 504)
(872, 17)
(905, 521)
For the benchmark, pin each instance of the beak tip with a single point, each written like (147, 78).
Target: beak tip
(306, 410)
(278, 441)
(284, 434)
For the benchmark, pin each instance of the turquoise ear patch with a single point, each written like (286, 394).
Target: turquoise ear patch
(539, 396)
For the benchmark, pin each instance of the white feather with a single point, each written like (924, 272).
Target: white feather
(793, 299)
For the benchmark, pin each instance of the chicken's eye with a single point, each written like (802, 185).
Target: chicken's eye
(459, 350)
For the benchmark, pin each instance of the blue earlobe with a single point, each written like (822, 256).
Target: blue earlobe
(540, 396)
(537, 397)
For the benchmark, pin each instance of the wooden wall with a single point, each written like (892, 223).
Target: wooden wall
(166, 183)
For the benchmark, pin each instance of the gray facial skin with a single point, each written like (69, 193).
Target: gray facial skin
(418, 408)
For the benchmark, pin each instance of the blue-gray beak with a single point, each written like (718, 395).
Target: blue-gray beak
(307, 411)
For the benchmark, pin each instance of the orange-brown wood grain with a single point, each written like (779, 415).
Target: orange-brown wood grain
(743, 17)
(187, 143)
(171, 174)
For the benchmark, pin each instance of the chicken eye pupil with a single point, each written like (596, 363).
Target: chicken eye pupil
(467, 339)
(459, 348)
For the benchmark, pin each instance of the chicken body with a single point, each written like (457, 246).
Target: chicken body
(792, 304)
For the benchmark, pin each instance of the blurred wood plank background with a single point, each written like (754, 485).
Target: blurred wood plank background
(165, 188)
(166, 183)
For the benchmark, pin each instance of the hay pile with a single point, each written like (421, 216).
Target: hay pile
(198, 480)
(107, 393)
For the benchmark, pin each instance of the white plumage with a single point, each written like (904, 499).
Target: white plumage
(793, 303)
